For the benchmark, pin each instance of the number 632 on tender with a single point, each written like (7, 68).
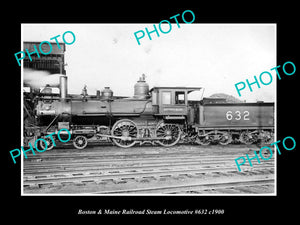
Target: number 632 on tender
(237, 115)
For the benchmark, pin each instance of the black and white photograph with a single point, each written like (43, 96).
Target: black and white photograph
(132, 112)
(144, 109)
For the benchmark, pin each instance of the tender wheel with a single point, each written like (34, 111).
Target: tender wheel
(49, 144)
(170, 132)
(126, 129)
(80, 142)
(203, 140)
(247, 138)
(268, 137)
(225, 139)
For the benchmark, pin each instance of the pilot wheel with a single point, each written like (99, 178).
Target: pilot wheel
(80, 142)
(49, 142)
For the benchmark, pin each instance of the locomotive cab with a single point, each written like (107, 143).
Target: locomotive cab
(171, 102)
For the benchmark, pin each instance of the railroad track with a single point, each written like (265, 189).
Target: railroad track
(232, 186)
(146, 171)
(99, 175)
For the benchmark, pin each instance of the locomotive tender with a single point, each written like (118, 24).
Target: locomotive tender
(161, 115)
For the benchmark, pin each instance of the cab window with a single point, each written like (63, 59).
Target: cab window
(179, 97)
(166, 97)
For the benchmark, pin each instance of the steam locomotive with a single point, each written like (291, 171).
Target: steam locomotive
(161, 115)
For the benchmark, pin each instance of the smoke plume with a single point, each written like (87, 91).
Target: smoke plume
(38, 78)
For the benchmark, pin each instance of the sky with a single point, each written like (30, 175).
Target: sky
(212, 56)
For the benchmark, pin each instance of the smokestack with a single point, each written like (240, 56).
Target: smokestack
(63, 86)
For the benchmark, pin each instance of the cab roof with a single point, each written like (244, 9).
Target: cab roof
(189, 89)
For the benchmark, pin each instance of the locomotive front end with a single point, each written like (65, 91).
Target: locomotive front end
(49, 106)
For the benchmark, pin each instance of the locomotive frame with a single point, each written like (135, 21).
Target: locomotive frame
(162, 115)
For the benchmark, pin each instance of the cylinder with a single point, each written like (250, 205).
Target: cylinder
(63, 86)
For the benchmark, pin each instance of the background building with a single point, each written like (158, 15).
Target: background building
(53, 62)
